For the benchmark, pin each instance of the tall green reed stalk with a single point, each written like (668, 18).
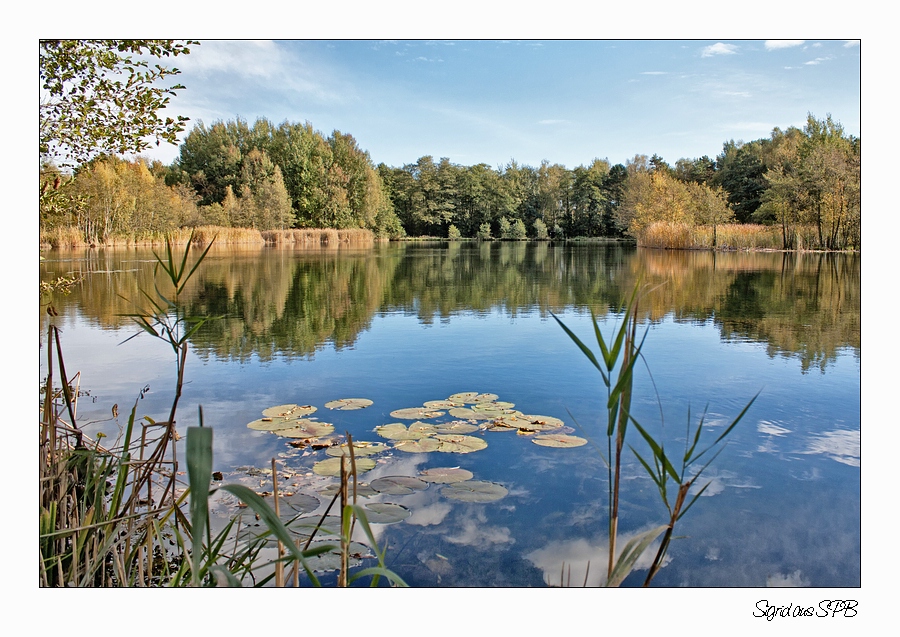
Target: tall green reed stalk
(616, 366)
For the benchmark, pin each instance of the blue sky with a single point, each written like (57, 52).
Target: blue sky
(490, 101)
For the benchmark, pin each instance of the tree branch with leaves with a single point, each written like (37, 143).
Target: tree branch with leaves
(104, 96)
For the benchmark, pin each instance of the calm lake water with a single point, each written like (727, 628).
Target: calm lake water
(409, 323)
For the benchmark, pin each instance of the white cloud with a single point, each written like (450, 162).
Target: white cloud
(654, 73)
(772, 45)
(793, 580)
(718, 48)
(851, 43)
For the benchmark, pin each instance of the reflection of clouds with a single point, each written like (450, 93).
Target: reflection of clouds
(581, 558)
(475, 532)
(718, 480)
(429, 515)
(793, 580)
(771, 429)
(841, 445)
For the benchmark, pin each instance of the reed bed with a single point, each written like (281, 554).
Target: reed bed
(737, 236)
(320, 237)
(72, 237)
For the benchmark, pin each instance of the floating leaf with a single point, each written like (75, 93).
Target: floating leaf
(493, 406)
(558, 440)
(442, 404)
(331, 560)
(514, 419)
(398, 485)
(501, 425)
(413, 413)
(485, 398)
(475, 491)
(399, 431)
(348, 404)
(468, 397)
(289, 411)
(330, 527)
(445, 475)
(541, 423)
(453, 443)
(360, 449)
(293, 503)
(332, 466)
(386, 513)
(455, 428)
(272, 424)
(363, 490)
(306, 429)
(469, 414)
(423, 445)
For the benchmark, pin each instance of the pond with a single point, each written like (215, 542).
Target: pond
(404, 324)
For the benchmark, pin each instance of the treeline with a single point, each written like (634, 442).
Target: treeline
(803, 182)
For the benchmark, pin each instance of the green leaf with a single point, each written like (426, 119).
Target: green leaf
(658, 452)
(632, 550)
(199, 466)
(587, 352)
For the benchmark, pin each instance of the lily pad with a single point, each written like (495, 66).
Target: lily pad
(363, 490)
(272, 424)
(468, 397)
(493, 406)
(399, 431)
(360, 449)
(442, 404)
(423, 445)
(469, 414)
(475, 491)
(415, 413)
(386, 513)
(557, 440)
(542, 423)
(453, 443)
(398, 485)
(330, 527)
(348, 404)
(331, 560)
(306, 429)
(290, 504)
(332, 466)
(289, 411)
(445, 475)
(456, 428)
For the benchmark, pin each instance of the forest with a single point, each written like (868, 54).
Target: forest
(267, 176)
(799, 187)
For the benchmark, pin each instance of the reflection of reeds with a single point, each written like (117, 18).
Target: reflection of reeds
(320, 237)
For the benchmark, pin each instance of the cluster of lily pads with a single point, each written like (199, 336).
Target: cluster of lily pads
(470, 413)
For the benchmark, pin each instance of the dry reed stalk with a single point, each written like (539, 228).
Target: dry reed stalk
(279, 565)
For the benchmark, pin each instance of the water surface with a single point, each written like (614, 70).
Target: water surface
(404, 324)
